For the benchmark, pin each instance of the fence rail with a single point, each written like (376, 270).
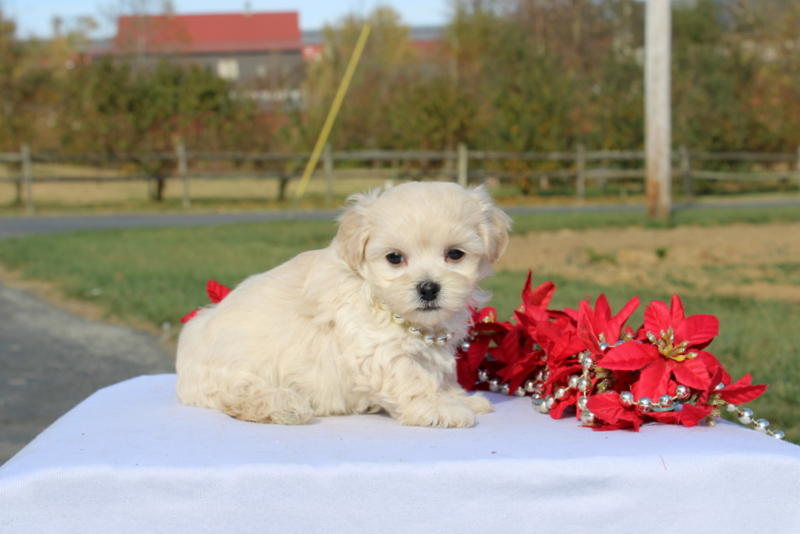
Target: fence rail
(461, 165)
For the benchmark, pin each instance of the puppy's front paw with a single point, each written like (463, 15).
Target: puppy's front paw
(478, 403)
(441, 413)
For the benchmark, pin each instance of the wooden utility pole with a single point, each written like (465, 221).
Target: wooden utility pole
(658, 131)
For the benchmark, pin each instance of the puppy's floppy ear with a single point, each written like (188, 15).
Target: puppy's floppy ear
(351, 239)
(495, 225)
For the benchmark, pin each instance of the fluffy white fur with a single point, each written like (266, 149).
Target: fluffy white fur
(308, 338)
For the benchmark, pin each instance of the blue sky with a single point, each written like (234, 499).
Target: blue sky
(33, 17)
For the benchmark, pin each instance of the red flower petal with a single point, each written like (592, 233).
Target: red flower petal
(670, 418)
(558, 410)
(189, 316)
(216, 291)
(698, 330)
(485, 315)
(741, 394)
(608, 408)
(746, 380)
(629, 356)
(561, 372)
(602, 313)
(495, 331)
(539, 297)
(712, 364)
(676, 309)
(657, 317)
(692, 372)
(621, 425)
(510, 348)
(572, 314)
(711, 386)
(477, 352)
(690, 415)
(466, 375)
(653, 381)
(516, 374)
(615, 325)
(587, 330)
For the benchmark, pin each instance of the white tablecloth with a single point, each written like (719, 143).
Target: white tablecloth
(132, 459)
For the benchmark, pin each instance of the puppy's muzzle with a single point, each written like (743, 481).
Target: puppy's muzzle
(428, 291)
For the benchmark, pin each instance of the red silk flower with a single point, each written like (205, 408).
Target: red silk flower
(216, 292)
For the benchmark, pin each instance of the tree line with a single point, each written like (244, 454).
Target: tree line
(513, 75)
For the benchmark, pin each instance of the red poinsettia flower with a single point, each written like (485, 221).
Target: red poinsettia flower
(511, 345)
(520, 356)
(559, 339)
(485, 331)
(598, 328)
(610, 414)
(740, 392)
(535, 301)
(672, 355)
(688, 333)
(689, 415)
(216, 292)
(560, 342)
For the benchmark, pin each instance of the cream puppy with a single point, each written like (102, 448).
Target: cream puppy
(369, 323)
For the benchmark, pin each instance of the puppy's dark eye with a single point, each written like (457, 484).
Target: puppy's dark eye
(455, 254)
(394, 258)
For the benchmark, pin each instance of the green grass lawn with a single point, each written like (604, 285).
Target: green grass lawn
(583, 220)
(158, 275)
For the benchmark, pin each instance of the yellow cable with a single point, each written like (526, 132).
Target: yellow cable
(337, 102)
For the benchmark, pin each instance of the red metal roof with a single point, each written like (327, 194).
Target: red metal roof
(209, 33)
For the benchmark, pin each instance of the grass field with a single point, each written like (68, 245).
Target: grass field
(236, 194)
(155, 276)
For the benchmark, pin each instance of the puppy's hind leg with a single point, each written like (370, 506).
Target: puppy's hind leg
(282, 406)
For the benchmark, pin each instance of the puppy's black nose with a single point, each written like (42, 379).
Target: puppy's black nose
(428, 290)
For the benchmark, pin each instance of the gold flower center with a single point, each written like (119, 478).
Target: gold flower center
(666, 346)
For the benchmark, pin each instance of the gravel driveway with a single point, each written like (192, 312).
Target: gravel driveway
(51, 360)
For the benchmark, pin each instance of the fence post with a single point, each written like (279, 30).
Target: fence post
(327, 165)
(580, 182)
(798, 168)
(686, 171)
(463, 164)
(183, 171)
(20, 181)
(27, 176)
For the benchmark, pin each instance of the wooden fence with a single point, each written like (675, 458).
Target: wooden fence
(462, 165)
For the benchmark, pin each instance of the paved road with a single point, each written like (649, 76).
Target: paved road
(17, 226)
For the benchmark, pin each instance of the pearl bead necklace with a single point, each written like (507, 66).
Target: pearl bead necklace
(583, 384)
(437, 339)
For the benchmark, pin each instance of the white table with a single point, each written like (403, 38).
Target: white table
(132, 459)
